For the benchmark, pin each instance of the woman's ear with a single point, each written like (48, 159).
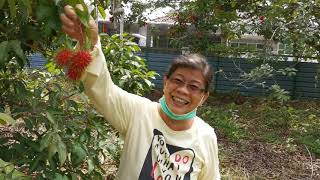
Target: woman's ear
(165, 79)
(205, 97)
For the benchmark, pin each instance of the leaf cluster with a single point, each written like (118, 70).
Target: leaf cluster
(129, 71)
(290, 22)
(50, 131)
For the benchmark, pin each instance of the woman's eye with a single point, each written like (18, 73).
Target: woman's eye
(178, 81)
(194, 87)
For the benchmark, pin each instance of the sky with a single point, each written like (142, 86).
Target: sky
(149, 14)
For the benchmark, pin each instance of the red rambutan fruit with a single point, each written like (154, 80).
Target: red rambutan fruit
(63, 57)
(74, 74)
(80, 60)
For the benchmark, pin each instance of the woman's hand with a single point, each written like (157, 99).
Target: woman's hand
(72, 26)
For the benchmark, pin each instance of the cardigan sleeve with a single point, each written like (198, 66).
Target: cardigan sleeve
(116, 105)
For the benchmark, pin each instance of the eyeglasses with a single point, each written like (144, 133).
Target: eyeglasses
(193, 88)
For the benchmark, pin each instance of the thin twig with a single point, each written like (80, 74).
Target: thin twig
(247, 80)
(311, 161)
(274, 32)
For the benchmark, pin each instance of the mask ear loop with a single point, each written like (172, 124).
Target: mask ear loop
(163, 89)
(200, 103)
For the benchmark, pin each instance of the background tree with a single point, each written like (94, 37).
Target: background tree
(210, 26)
(291, 22)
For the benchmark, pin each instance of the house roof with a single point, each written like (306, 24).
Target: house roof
(168, 19)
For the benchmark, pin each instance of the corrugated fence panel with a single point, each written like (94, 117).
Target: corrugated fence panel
(37, 61)
(227, 72)
(159, 62)
(306, 84)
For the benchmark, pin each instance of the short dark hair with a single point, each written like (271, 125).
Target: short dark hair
(193, 61)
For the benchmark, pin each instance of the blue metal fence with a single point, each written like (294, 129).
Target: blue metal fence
(303, 84)
(37, 61)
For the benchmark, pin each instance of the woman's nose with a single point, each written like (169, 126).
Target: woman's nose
(183, 88)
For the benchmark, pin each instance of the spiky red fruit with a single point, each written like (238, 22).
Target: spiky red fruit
(261, 19)
(63, 57)
(80, 60)
(74, 74)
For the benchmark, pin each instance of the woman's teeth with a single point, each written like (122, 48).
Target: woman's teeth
(180, 101)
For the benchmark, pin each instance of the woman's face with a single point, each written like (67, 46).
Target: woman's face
(184, 90)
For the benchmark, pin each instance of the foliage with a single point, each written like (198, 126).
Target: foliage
(258, 76)
(48, 130)
(225, 121)
(129, 71)
(7, 171)
(23, 29)
(30, 26)
(55, 133)
(279, 94)
(289, 22)
(296, 124)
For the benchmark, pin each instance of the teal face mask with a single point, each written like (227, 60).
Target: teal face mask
(169, 113)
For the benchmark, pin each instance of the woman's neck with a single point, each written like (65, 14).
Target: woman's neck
(175, 125)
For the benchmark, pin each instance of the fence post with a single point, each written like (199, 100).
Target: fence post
(294, 88)
(216, 75)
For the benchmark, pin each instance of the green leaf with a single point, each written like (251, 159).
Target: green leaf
(20, 89)
(27, 4)
(2, 3)
(53, 145)
(7, 167)
(52, 149)
(58, 176)
(84, 137)
(62, 151)
(50, 118)
(44, 143)
(90, 165)
(3, 51)
(15, 46)
(81, 87)
(102, 12)
(34, 164)
(136, 49)
(42, 12)
(6, 119)
(149, 83)
(74, 176)
(51, 67)
(78, 154)
(13, 9)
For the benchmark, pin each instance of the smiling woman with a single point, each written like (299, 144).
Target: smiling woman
(162, 140)
(185, 88)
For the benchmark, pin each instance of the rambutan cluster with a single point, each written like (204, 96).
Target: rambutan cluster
(74, 61)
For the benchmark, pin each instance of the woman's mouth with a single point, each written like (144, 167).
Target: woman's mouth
(179, 101)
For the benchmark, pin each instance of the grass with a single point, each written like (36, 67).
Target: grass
(260, 139)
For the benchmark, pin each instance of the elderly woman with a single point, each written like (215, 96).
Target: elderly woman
(163, 140)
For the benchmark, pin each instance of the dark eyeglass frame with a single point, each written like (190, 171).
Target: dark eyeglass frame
(194, 89)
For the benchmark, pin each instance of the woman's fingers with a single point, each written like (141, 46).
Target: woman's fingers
(69, 27)
(70, 13)
(66, 21)
(72, 26)
(93, 31)
(70, 23)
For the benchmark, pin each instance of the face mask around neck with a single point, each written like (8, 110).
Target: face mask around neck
(168, 112)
